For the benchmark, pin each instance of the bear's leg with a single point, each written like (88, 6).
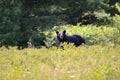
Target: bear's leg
(60, 45)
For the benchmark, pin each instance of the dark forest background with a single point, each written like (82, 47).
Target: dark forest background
(23, 20)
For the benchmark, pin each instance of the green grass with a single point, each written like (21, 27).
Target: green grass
(99, 59)
(82, 63)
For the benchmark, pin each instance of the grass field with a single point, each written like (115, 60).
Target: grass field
(93, 61)
(82, 63)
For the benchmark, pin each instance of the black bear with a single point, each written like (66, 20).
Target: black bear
(75, 39)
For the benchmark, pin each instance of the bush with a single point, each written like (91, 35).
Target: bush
(116, 19)
(102, 35)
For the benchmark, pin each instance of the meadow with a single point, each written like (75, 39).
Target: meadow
(98, 59)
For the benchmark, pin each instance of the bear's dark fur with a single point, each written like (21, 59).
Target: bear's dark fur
(76, 39)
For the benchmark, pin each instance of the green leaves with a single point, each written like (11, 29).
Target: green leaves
(15, 23)
(102, 35)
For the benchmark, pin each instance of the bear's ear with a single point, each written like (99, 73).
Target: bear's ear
(64, 31)
(57, 32)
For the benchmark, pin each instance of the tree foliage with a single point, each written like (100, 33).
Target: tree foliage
(16, 22)
(21, 20)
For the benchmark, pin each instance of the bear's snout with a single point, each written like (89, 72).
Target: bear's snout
(61, 35)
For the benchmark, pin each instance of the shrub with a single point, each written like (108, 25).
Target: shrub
(102, 35)
(116, 19)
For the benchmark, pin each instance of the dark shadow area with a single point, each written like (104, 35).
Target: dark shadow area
(22, 20)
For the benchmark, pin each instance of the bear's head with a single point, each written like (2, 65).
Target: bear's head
(61, 35)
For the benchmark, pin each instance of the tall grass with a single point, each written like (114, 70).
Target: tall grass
(93, 62)
(98, 59)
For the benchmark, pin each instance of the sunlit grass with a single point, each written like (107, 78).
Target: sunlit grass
(93, 62)
(90, 61)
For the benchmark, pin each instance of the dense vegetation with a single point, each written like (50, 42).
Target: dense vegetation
(28, 43)
(22, 20)
(98, 59)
